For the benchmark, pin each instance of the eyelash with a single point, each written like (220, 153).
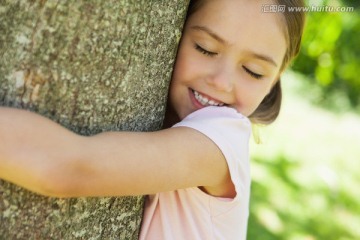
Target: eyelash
(252, 74)
(212, 54)
(204, 51)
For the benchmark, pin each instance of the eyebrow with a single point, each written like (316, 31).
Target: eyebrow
(210, 33)
(264, 58)
(223, 41)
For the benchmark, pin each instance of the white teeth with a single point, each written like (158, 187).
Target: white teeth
(205, 101)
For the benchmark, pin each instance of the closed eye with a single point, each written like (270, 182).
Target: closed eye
(204, 51)
(252, 74)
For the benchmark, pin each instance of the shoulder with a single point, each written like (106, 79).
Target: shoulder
(218, 122)
(216, 113)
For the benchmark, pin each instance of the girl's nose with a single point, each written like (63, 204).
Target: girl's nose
(222, 80)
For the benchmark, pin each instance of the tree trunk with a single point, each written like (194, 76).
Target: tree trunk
(91, 66)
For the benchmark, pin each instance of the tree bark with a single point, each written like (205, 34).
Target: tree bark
(91, 66)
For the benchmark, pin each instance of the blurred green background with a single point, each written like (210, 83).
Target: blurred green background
(306, 184)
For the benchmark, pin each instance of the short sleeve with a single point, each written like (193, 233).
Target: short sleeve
(230, 131)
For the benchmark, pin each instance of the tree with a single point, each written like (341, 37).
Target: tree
(91, 66)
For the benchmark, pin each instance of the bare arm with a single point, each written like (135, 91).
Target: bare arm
(32, 148)
(44, 157)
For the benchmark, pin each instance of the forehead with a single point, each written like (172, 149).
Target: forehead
(242, 23)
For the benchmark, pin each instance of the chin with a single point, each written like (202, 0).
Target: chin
(181, 116)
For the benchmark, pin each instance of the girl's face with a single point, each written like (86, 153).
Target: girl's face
(230, 54)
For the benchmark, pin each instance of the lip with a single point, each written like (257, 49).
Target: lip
(195, 102)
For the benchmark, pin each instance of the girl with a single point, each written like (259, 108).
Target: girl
(196, 173)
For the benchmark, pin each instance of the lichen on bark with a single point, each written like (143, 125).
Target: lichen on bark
(91, 66)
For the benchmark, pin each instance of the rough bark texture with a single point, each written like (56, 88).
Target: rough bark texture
(91, 66)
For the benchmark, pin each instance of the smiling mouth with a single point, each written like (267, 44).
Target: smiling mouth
(206, 101)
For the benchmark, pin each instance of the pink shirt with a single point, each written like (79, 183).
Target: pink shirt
(192, 214)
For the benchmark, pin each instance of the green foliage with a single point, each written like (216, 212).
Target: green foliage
(305, 173)
(284, 209)
(330, 54)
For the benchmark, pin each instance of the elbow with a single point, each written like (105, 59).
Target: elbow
(61, 182)
(54, 185)
(67, 178)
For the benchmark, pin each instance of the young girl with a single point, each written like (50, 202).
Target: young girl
(196, 174)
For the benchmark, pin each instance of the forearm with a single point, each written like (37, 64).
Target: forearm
(32, 149)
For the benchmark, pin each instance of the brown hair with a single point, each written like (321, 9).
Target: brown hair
(294, 21)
